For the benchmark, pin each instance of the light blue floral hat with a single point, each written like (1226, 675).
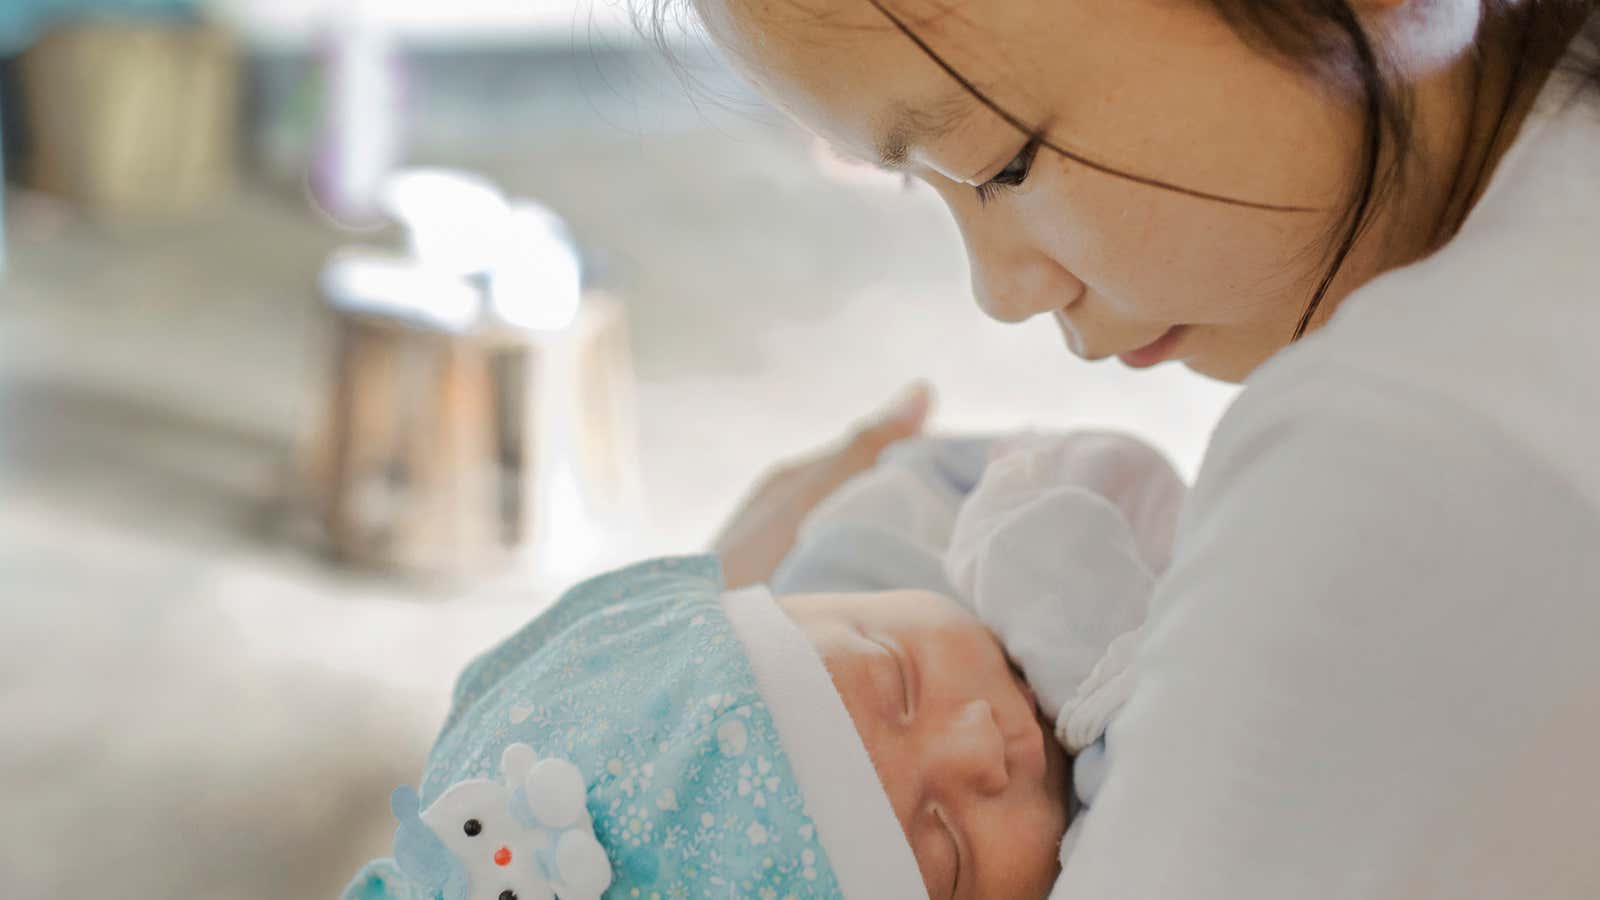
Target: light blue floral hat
(649, 736)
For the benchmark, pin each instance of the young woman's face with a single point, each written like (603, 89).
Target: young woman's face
(979, 785)
(1159, 89)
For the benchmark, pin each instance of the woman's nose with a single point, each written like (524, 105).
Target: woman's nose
(1014, 276)
(970, 752)
(1017, 291)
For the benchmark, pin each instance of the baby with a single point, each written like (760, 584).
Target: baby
(652, 734)
(1053, 542)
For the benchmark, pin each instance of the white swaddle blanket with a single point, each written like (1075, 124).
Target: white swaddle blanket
(1053, 541)
(1057, 549)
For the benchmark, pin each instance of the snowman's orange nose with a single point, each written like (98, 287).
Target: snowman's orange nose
(502, 857)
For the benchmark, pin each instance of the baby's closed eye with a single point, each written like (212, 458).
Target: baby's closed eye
(938, 852)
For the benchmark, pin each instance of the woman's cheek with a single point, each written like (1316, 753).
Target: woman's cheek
(1101, 229)
(1140, 250)
(1196, 266)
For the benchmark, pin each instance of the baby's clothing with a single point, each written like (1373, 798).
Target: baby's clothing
(1057, 550)
(652, 731)
(649, 735)
(1055, 544)
(888, 528)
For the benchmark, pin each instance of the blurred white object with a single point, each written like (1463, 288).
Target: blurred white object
(460, 224)
(455, 221)
(537, 281)
(429, 23)
(361, 127)
(377, 283)
(585, 499)
(530, 376)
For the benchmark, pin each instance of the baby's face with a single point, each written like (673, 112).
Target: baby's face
(979, 786)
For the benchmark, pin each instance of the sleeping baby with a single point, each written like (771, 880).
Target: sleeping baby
(654, 735)
(1054, 542)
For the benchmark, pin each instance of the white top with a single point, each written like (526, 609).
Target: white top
(1373, 668)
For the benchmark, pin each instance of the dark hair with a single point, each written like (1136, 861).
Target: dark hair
(1328, 38)
(1328, 34)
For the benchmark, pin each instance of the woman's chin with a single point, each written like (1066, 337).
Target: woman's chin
(1229, 368)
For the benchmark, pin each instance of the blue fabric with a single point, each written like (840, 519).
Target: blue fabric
(855, 556)
(851, 557)
(950, 464)
(638, 678)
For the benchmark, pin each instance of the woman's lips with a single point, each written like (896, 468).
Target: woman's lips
(1158, 350)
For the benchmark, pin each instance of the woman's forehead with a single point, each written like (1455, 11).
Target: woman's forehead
(843, 70)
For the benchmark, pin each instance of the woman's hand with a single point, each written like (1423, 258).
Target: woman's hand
(763, 528)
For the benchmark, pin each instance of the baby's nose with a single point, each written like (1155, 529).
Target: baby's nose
(971, 753)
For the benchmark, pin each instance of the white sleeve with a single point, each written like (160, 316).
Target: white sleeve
(1046, 551)
(1372, 671)
(1134, 477)
(886, 528)
(913, 491)
(1059, 581)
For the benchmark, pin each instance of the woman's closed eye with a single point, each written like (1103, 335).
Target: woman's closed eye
(1013, 175)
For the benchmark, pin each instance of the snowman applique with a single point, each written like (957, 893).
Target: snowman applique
(526, 837)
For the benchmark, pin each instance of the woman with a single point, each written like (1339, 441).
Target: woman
(1371, 668)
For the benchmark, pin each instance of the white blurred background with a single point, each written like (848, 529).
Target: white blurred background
(202, 692)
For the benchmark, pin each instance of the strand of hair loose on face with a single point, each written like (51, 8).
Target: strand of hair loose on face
(1371, 77)
(1347, 243)
(1045, 141)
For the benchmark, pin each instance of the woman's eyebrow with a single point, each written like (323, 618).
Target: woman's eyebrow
(910, 126)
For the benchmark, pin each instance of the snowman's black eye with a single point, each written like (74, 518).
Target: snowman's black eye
(472, 827)
(508, 895)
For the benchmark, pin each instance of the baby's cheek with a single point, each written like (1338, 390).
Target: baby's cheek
(892, 771)
(937, 889)
(1020, 847)
(1027, 867)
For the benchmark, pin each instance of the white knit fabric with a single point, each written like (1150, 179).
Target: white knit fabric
(856, 825)
(1057, 550)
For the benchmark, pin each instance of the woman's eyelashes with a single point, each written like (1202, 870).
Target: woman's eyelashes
(1013, 175)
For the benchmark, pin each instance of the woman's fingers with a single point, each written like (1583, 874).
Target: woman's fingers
(762, 530)
(901, 419)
